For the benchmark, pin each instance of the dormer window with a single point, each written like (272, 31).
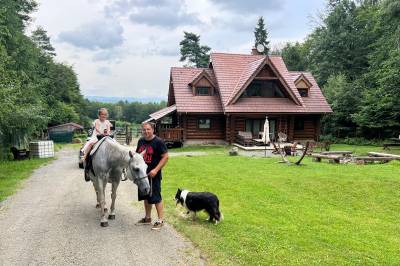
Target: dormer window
(264, 88)
(203, 91)
(303, 92)
(303, 85)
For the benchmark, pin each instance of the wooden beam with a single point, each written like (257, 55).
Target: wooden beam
(379, 154)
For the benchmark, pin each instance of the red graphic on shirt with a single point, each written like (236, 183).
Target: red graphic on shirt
(148, 155)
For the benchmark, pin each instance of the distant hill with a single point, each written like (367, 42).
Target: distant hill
(111, 99)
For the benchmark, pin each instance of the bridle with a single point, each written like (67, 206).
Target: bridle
(137, 179)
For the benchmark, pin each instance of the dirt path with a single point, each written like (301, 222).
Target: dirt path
(53, 221)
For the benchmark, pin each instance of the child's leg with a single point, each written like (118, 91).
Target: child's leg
(88, 145)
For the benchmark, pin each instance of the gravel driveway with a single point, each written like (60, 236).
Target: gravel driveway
(53, 221)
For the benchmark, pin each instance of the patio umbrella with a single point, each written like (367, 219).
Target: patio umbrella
(266, 131)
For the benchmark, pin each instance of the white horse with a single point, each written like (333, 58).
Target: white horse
(108, 162)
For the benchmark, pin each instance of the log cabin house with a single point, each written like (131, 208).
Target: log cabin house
(235, 93)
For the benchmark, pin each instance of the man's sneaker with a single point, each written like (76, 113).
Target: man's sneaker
(157, 225)
(144, 221)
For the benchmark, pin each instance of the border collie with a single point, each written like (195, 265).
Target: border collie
(197, 201)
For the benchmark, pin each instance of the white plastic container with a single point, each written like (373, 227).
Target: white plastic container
(41, 149)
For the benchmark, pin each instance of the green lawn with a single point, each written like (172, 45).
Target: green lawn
(13, 172)
(313, 214)
(363, 150)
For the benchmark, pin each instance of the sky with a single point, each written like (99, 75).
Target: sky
(125, 48)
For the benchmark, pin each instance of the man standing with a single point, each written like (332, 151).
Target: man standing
(155, 156)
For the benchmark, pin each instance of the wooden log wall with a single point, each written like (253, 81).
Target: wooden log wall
(311, 128)
(217, 130)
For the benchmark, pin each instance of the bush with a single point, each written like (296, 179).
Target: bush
(352, 141)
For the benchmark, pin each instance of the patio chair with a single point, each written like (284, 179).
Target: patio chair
(282, 137)
(245, 138)
(261, 140)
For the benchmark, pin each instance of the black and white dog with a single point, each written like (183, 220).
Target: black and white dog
(197, 201)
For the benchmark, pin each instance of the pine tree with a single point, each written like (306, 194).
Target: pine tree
(39, 36)
(261, 35)
(191, 50)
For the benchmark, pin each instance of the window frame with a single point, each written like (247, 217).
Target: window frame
(204, 118)
(304, 90)
(299, 121)
(203, 87)
(278, 90)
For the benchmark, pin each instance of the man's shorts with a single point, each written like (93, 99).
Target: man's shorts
(156, 191)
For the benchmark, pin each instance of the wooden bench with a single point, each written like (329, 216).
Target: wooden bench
(343, 153)
(245, 138)
(317, 157)
(379, 154)
(368, 159)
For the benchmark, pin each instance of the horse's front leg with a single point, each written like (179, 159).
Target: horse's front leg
(115, 184)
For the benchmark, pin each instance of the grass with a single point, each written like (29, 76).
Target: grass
(13, 172)
(313, 214)
(363, 150)
(214, 149)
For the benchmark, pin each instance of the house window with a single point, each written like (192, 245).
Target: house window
(299, 124)
(264, 88)
(204, 123)
(203, 91)
(303, 92)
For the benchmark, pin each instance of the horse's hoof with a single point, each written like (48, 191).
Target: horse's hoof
(103, 224)
(111, 217)
(97, 206)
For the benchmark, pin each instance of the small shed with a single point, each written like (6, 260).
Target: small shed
(64, 132)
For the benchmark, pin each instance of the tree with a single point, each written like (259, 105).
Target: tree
(344, 98)
(39, 36)
(295, 56)
(192, 52)
(261, 35)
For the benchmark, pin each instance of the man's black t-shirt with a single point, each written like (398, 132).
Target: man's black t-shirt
(154, 149)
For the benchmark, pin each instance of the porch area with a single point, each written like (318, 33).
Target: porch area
(269, 150)
(247, 129)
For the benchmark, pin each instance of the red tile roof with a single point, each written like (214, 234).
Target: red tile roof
(161, 113)
(232, 73)
(185, 100)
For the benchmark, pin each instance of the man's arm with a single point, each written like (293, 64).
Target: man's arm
(160, 165)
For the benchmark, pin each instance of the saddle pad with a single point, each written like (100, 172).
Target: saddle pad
(97, 145)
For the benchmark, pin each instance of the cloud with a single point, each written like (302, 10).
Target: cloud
(159, 13)
(253, 6)
(165, 17)
(99, 34)
(113, 55)
(104, 71)
(123, 7)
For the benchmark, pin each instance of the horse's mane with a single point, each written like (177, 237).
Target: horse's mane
(117, 150)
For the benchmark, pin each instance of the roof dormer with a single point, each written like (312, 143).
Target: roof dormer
(202, 84)
(303, 85)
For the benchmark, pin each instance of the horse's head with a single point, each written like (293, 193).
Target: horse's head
(137, 172)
